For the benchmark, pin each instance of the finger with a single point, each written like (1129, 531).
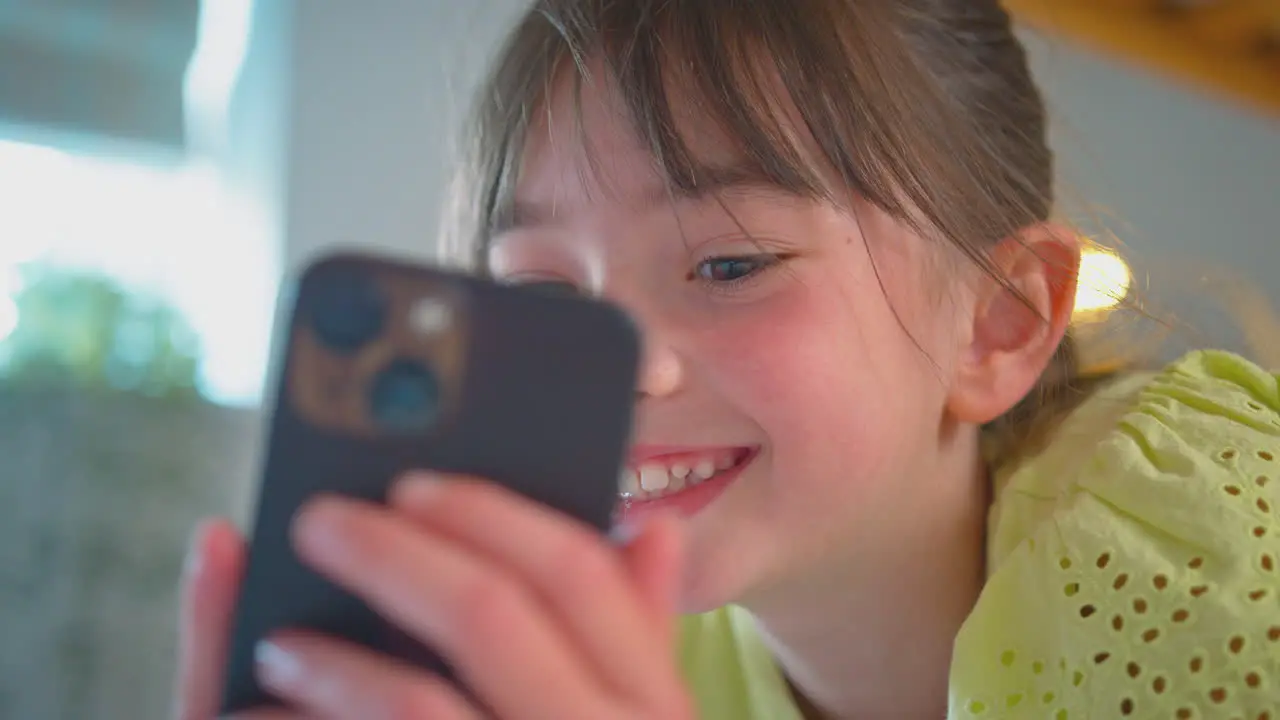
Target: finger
(210, 582)
(654, 559)
(582, 577)
(334, 679)
(503, 644)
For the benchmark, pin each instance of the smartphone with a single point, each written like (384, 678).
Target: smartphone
(390, 367)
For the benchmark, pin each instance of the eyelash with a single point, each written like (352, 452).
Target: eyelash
(760, 263)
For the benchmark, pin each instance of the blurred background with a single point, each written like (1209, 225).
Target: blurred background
(166, 164)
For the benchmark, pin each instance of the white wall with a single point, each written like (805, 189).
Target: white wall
(378, 89)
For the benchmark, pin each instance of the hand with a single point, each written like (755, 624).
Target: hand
(540, 616)
(542, 619)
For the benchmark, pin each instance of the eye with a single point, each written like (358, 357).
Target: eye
(732, 269)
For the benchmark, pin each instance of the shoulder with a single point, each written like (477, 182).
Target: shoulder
(1135, 562)
(1210, 416)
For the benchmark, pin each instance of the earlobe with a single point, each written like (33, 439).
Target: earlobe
(1018, 322)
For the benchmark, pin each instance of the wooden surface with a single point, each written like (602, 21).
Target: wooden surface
(1227, 47)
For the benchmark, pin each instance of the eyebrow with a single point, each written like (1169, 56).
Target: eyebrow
(712, 180)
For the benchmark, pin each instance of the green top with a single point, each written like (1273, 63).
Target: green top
(1134, 568)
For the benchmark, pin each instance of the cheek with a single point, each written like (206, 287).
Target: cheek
(831, 380)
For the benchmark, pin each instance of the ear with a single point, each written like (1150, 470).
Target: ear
(1015, 334)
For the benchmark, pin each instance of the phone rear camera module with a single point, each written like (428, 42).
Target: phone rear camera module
(430, 316)
(404, 397)
(348, 311)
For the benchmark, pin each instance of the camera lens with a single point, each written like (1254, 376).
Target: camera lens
(347, 311)
(404, 397)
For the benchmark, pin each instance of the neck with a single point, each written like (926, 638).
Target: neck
(882, 649)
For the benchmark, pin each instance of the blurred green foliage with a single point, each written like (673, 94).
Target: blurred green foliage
(84, 331)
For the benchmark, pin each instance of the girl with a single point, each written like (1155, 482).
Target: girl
(830, 218)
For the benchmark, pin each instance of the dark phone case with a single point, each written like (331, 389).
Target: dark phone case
(544, 408)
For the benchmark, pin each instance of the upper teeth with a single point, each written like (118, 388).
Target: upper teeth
(655, 477)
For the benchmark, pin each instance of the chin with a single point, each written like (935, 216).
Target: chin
(696, 600)
(712, 580)
(729, 552)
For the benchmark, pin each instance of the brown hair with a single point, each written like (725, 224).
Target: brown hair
(924, 108)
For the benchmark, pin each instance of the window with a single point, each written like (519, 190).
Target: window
(173, 229)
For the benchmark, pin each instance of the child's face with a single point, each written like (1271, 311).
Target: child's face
(771, 341)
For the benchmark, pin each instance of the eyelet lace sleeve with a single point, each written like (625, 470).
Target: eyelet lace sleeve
(1135, 563)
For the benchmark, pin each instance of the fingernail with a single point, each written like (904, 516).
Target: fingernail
(319, 524)
(195, 550)
(417, 489)
(276, 666)
(622, 535)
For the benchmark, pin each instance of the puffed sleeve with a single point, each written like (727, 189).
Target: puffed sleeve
(1134, 564)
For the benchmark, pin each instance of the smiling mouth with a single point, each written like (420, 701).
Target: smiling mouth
(667, 475)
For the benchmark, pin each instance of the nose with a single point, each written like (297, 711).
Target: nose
(661, 370)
